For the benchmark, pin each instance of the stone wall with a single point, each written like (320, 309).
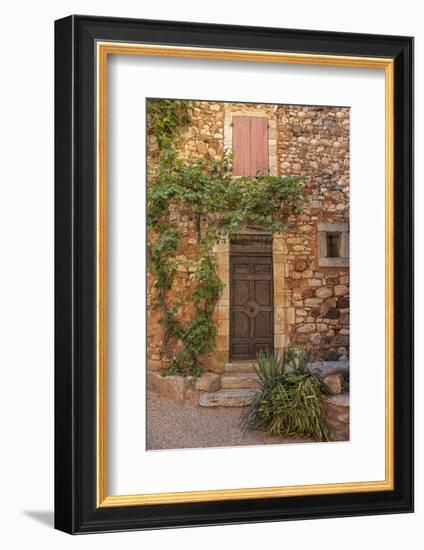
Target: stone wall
(314, 142)
(337, 411)
(313, 307)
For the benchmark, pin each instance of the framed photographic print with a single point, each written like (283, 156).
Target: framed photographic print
(233, 274)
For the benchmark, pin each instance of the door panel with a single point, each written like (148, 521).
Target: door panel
(241, 325)
(241, 292)
(251, 304)
(262, 324)
(263, 292)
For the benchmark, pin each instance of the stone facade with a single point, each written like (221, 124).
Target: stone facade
(311, 291)
(314, 142)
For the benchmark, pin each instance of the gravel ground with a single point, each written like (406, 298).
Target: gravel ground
(175, 425)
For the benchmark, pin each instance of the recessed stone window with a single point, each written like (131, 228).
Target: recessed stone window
(333, 244)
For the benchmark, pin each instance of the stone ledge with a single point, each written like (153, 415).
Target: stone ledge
(333, 226)
(333, 262)
(175, 387)
(325, 368)
(226, 398)
(239, 381)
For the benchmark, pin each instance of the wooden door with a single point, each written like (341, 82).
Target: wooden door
(251, 306)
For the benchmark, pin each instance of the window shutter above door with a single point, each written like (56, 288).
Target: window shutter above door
(259, 145)
(250, 145)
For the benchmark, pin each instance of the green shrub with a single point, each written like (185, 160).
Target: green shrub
(288, 399)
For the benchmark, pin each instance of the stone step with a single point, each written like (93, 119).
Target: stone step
(239, 380)
(225, 398)
(237, 367)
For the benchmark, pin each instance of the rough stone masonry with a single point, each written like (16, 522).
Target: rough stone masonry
(311, 259)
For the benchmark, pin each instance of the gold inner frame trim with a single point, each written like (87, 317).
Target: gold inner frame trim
(104, 49)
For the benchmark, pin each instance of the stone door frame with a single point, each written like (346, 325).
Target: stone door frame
(222, 311)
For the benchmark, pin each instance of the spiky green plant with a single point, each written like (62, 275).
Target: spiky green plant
(270, 371)
(288, 399)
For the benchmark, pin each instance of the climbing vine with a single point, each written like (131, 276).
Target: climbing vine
(220, 204)
(166, 116)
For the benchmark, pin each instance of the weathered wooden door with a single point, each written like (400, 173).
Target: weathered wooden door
(251, 306)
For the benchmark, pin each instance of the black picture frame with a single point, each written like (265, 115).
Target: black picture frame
(76, 510)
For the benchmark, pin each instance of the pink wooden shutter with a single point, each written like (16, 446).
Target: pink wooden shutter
(241, 145)
(258, 145)
(250, 145)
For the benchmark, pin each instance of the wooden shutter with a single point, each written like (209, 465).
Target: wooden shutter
(250, 145)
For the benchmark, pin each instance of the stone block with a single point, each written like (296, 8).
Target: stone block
(322, 244)
(174, 387)
(324, 292)
(331, 302)
(215, 361)
(332, 314)
(278, 258)
(278, 246)
(333, 262)
(308, 293)
(344, 245)
(223, 312)
(290, 315)
(280, 341)
(154, 365)
(223, 272)
(306, 328)
(300, 265)
(209, 381)
(316, 339)
(343, 302)
(278, 271)
(222, 258)
(313, 302)
(279, 299)
(223, 327)
(222, 343)
(225, 295)
(338, 227)
(334, 383)
(340, 290)
(279, 314)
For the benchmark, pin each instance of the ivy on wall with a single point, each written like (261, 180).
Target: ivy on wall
(220, 204)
